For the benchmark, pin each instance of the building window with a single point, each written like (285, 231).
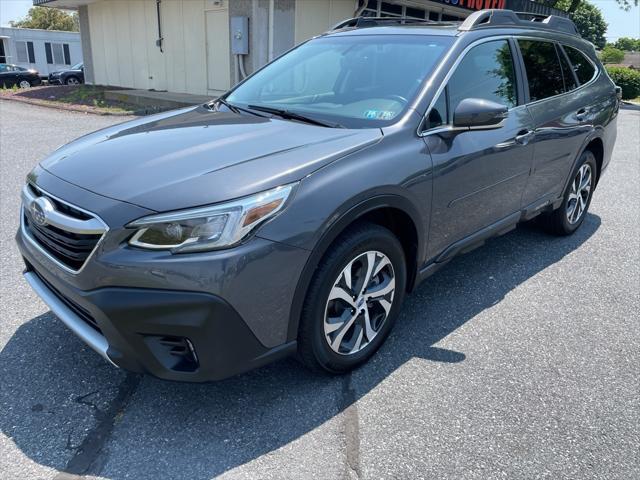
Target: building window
(3, 55)
(25, 52)
(57, 53)
(380, 8)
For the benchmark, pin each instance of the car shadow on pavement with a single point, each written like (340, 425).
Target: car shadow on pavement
(65, 408)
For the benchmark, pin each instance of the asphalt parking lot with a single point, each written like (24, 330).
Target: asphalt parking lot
(518, 360)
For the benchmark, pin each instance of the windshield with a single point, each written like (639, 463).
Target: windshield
(77, 66)
(359, 81)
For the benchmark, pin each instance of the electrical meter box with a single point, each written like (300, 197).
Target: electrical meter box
(239, 35)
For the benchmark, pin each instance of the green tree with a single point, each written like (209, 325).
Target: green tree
(48, 19)
(588, 19)
(610, 54)
(573, 5)
(628, 44)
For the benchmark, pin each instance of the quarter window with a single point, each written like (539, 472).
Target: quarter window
(567, 73)
(438, 113)
(543, 69)
(584, 68)
(485, 72)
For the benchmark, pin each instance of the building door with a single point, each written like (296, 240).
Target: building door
(3, 54)
(218, 62)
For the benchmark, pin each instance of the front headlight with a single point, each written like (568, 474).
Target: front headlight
(208, 228)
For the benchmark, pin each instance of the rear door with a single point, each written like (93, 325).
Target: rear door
(480, 174)
(561, 117)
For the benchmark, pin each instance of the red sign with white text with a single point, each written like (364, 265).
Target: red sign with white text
(476, 4)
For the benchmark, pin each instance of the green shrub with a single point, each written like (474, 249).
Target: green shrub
(611, 55)
(626, 78)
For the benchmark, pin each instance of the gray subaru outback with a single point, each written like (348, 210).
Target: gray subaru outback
(294, 213)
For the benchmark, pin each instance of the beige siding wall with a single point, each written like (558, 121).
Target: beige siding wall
(316, 16)
(123, 36)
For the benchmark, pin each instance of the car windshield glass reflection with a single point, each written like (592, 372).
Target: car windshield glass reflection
(357, 81)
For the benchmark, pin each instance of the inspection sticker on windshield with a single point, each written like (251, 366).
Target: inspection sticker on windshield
(378, 115)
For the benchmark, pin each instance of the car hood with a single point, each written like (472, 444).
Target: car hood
(196, 156)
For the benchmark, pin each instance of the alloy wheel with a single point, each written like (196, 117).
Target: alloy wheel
(579, 194)
(73, 81)
(359, 302)
(24, 84)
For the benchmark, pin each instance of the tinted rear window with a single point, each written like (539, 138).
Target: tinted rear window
(584, 68)
(543, 69)
(567, 73)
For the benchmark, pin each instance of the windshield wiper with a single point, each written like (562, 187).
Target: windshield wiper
(289, 115)
(234, 108)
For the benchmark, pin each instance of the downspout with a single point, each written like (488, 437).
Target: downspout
(271, 25)
(160, 38)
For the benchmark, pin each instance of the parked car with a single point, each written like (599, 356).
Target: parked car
(13, 75)
(294, 213)
(72, 76)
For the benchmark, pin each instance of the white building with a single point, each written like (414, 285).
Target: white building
(190, 46)
(43, 50)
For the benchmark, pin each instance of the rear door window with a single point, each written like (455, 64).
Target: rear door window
(542, 65)
(584, 69)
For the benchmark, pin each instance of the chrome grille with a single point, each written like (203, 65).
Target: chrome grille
(66, 234)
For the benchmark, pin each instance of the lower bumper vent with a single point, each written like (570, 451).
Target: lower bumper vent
(175, 353)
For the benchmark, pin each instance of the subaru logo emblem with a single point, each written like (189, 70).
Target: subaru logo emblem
(38, 210)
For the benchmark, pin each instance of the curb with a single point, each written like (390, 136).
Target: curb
(69, 108)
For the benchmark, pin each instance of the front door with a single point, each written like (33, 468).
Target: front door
(479, 175)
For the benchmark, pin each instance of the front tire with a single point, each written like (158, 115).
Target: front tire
(353, 300)
(577, 198)
(24, 84)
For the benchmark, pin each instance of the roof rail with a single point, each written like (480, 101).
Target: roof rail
(364, 22)
(507, 18)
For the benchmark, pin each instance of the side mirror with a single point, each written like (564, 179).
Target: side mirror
(478, 113)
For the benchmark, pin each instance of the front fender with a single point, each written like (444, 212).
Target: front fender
(395, 173)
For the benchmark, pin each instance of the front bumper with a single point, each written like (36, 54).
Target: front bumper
(173, 335)
(232, 307)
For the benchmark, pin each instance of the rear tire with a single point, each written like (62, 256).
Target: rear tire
(577, 197)
(73, 81)
(353, 300)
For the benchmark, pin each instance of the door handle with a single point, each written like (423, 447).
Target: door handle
(524, 136)
(581, 114)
